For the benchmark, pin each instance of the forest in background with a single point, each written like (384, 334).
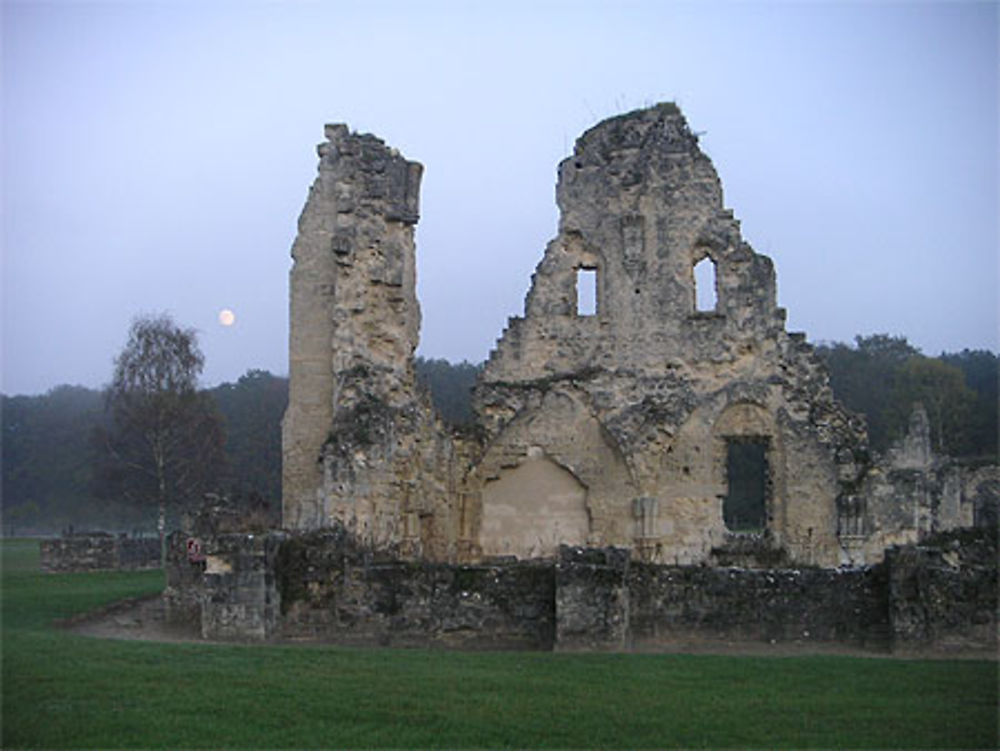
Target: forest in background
(51, 453)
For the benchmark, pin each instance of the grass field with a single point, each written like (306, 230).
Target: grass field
(65, 690)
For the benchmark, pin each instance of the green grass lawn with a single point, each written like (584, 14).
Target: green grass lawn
(65, 690)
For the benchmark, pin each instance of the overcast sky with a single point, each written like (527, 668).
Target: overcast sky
(156, 157)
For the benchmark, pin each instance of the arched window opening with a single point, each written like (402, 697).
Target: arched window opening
(586, 292)
(745, 506)
(705, 294)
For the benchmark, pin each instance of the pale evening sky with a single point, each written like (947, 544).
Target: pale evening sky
(156, 155)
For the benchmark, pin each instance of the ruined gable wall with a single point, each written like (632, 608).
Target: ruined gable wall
(641, 204)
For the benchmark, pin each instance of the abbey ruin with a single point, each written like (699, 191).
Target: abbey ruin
(623, 426)
(645, 473)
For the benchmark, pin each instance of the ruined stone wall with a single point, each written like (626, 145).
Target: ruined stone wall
(333, 589)
(183, 595)
(616, 426)
(908, 495)
(99, 552)
(943, 592)
(326, 586)
(638, 401)
(607, 601)
(361, 445)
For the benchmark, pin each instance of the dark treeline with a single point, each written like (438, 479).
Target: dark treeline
(883, 376)
(450, 386)
(51, 456)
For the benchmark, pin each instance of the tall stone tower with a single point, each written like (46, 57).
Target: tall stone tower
(354, 313)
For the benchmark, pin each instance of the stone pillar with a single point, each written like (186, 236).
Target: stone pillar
(240, 599)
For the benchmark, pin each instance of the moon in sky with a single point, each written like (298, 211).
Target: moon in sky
(227, 317)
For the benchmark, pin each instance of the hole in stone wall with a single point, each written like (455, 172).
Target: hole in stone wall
(745, 506)
(586, 292)
(705, 297)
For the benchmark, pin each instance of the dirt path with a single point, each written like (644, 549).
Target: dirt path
(141, 618)
(145, 619)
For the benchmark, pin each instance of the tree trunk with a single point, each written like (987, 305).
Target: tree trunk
(161, 522)
(161, 527)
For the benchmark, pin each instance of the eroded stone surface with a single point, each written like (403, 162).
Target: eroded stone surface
(361, 445)
(98, 551)
(620, 426)
(641, 399)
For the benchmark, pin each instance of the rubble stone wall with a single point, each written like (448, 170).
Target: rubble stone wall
(325, 586)
(362, 446)
(99, 552)
(333, 590)
(943, 592)
(640, 399)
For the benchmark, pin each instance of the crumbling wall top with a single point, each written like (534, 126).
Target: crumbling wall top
(388, 183)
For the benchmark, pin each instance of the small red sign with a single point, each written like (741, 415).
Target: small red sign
(194, 550)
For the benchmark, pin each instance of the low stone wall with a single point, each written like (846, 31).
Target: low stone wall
(680, 604)
(322, 586)
(606, 601)
(592, 598)
(943, 592)
(99, 551)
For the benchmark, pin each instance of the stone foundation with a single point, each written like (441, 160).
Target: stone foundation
(943, 592)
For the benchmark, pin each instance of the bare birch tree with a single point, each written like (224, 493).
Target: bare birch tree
(165, 442)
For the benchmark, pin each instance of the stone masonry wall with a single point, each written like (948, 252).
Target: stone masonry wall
(334, 590)
(362, 446)
(640, 399)
(324, 586)
(240, 599)
(99, 552)
(606, 601)
(943, 592)
(671, 605)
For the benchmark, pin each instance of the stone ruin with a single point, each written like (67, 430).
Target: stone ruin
(639, 424)
(647, 473)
